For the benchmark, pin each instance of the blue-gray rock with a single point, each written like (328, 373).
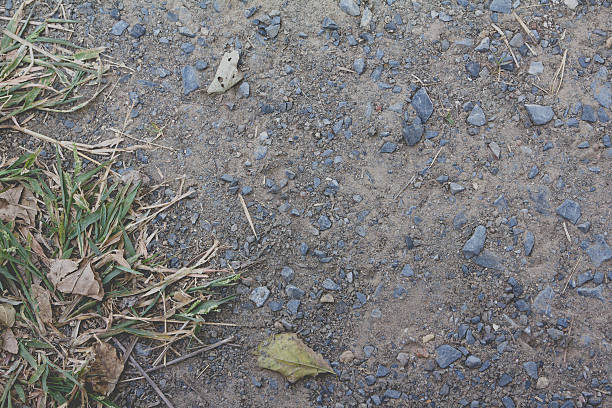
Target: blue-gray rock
(190, 80)
(187, 48)
(244, 90)
(504, 380)
(413, 133)
(488, 259)
(455, 188)
(584, 227)
(287, 273)
(484, 45)
(528, 243)
(388, 147)
(543, 301)
(596, 292)
(293, 306)
(533, 172)
(138, 30)
(501, 6)
(588, 114)
(508, 402)
(407, 271)
(392, 394)
(531, 367)
(201, 65)
(477, 117)
(422, 105)
(447, 355)
(473, 69)
(119, 27)
(329, 284)
(359, 65)
(539, 115)
(459, 220)
(272, 30)
(324, 223)
(329, 24)
(294, 292)
(584, 278)
(603, 95)
(570, 210)
(350, 7)
(473, 362)
(382, 371)
(599, 251)
(259, 295)
(475, 244)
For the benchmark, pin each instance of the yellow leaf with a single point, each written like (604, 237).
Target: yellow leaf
(288, 355)
(7, 315)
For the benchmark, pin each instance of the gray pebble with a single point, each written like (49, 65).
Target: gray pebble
(259, 295)
(388, 147)
(539, 115)
(456, 188)
(329, 284)
(599, 251)
(413, 133)
(501, 6)
(119, 27)
(446, 355)
(287, 273)
(477, 117)
(528, 243)
(359, 65)
(190, 80)
(422, 105)
(324, 223)
(473, 362)
(570, 210)
(475, 244)
(543, 301)
(531, 368)
(350, 7)
(138, 30)
(533, 172)
(596, 292)
(244, 90)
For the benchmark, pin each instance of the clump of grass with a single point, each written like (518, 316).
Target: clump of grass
(52, 217)
(38, 72)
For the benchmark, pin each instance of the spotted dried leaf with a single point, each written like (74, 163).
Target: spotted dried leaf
(67, 277)
(7, 315)
(43, 299)
(9, 342)
(106, 369)
(227, 74)
(18, 204)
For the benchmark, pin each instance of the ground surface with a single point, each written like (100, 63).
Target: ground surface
(339, 197)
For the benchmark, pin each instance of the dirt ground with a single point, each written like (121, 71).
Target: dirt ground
(337, 195)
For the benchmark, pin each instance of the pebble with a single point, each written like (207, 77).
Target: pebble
(287, 274)
(329, 284)
(539, 115)
(403, 359)
(596, 292)
(456, 188)
(388, 147)
(528, 243)
(259, 295)
(533, 172)
(349, 7)
(324, 223)
(501, 6)
(473, 69)
(508, 402)
(599, 251)
(571, 4)
(531, 368)
(347, 357)
(477, 116)
(536, 67)
(261, 152)
(138, 30)
(542, 383)
(473, 362)
(484, 45)
(382, 371)
(366, 18)
(293, 306)
(413, 133)
(359, 65)
(327, 298)
(603, 95)
(407, 271)
(244, 90)
(329, 24)
(446, 355)
(570, 210)
(588, 114)
(475, 244)
(504, 380)
(543, 301)
(119, 27)
(422, 105)
(190, 80)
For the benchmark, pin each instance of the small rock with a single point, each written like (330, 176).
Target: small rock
(473, 362)
(531, 368)
(190, 80)
(596, 292)
(543, 301)
(495, 149)
(388, 147)
(359, 65)
(329, 284)
(287, 273)
(138, 30)
(599, 251)
(327, 298)
(570, 210)
(403, 359)
(422, 105)
(504, 380)
(119, 27)
(517, 40)
(539, 115)
(501, 6)
(260, 295)
(508, 402)
(324, 223)
(427, 338)
(484, 45)
(382, 371)
(244, 90)
(349, 7)
(533, 172)
(347, 357)
(473, 69)
(477, 117)
(536, 67)
(475, 244)
(571, 4)
(588, 114)
(413, 133)
(329, 24)
(446, 355)
(528, 243)
(456, 188)
(542, 383)
(366, 18)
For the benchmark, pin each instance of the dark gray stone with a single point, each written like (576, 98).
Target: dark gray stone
(477, 117)
(422, 105)
(475, 244)
(533, 172)
(293, 306)
(599, 251)
(388, 147)
(329, 24)
(407, 271)
(287, 273)
(294, 292)
(570, 210)
(382, 371)
(528, 243)
(324, 223)
(359, 65)
(539, 115)
(473, 362)
(138, 30)
(504, 380)
(119, 27)
(588, 114)
(473, 69)
(244, 90)
(596, 292)
(543, 301)
(455, 188)
(488, 259)
(350, 7)
(501, 6)
(446, 355)
(603, 95)
(413, 133)
(259, 295)
(190, 80)
(508, 402)
(531, 368)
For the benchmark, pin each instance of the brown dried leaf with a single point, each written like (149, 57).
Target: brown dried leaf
(43, 298)
(116, 256)
(36, 247)
(105, 369)
(9, 342)
(66, 276)
(7, 315)
(18, 204)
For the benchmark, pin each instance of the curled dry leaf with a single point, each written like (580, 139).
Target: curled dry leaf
(105, 369)
(227, 74)
(288, 355)
(43, 298)
(7, 315)
(18, 204)
(9, 342)
(67, 277)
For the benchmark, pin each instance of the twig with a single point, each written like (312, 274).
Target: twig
(572, 274)
(569, 334)
(145, 375)
(567, 235)
(192, 354)
(559, 74)
(501, 33)
(405, 187)
(248, 216)
(345, 70)
(130, 347)
(524, 26)
(140, 140)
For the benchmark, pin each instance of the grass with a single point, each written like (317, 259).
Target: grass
(76, 214)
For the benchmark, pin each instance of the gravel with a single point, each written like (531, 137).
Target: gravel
(446, 355)
(475, 244)
(190, 80)
(349, 7)
(477, 117)
(599, 251)
(422, 104)
(570, 210)
(539, 115)
(259, 295)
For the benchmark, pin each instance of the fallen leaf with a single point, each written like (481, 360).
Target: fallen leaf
(288, 355)
(227, 74)
(116, 256)
(34, 244)
(105, 369)
(43, 298)
(66, 276)
(7, 315)
(9, 342)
